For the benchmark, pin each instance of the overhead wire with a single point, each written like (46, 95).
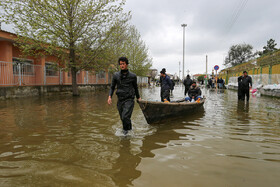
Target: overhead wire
(238, 8)
(236, 13)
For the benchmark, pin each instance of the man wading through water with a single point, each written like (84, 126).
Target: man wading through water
(127, 88)
(244, 86)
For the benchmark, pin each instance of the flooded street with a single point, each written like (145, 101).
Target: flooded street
(77, 141)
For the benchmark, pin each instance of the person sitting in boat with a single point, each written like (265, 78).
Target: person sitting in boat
(166, 85)
(194, 92)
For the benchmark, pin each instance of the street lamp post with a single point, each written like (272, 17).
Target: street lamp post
(179, 69)
(184, 25)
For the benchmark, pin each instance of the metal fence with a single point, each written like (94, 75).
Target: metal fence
(6, 69)
(26, 74)
(142, 80)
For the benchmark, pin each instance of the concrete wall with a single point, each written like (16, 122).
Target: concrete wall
(264, 70)
(26, 91)
(263, 91)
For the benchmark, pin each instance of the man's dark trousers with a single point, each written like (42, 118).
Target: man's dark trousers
(165, 94)
(239, 92)
(125, 110)
(245, 92)
(186, 89)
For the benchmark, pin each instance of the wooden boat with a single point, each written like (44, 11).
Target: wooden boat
(155, 111)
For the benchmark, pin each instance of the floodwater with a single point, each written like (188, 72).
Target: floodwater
(77, 141)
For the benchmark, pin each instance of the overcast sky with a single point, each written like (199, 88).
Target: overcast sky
(212, 27)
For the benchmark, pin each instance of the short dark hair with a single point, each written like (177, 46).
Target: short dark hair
(123, 59)
(163, 72)
(194, 81)
(244, 71)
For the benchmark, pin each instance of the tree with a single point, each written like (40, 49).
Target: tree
(138, 53)
(201, 77)
(127, 41)
(72, 30)
(270, 47)
(238, 54)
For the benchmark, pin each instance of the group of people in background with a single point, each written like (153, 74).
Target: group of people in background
(212, 83)
(193, 92)
(167, 85)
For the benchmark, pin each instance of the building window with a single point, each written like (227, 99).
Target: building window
(25, 66)
(101, 75)
(51, 69)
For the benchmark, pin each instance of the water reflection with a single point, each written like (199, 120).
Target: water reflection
(166, 132)
(125, 165)
(243, 112)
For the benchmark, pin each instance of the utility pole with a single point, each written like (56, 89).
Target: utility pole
(184, 25)
(206, 67)
(179, 69)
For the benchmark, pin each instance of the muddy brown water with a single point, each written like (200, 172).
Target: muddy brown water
(77, 141)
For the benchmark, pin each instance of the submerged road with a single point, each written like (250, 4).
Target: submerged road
(77, 141)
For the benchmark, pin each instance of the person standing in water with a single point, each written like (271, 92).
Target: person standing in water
(187, 82)
(127, 89)
(245, 84)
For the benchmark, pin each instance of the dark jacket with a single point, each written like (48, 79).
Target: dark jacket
(160, 80)
(239, 82)
(126, 86)
(244, 82)
(187, 82)
(194, 91)
(166, 83)
(173, 84)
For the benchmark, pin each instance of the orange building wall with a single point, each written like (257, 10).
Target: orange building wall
(6, 55)
(6, 51)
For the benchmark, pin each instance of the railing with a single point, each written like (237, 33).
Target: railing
(22, 74)
(142, 80)
(26, 74)
(6, 74)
